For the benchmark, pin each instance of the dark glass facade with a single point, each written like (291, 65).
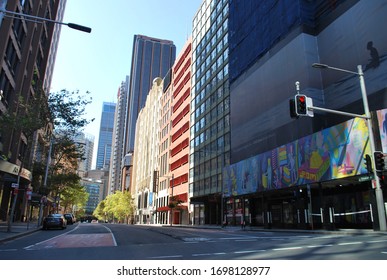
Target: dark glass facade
(151, 58)
(210, 111)
(306, 172)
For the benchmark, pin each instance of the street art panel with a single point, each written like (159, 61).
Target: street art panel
(332, 153)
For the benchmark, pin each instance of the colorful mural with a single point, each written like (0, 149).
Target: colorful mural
(332, 153)
(382, 119)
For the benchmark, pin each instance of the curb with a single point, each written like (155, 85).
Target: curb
(17, 235)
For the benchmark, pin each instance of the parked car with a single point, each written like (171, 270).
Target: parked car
(54, 221)
(70, 218)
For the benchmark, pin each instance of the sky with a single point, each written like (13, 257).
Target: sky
(99, 61)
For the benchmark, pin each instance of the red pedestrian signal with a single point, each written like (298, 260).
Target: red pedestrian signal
(301, 108)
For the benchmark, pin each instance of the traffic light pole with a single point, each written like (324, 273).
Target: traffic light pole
(367, 117)
(314, 108)
(378, 189)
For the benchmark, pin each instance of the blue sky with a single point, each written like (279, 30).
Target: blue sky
(99, 61)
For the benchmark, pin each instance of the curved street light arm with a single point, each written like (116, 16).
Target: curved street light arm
(26, 17)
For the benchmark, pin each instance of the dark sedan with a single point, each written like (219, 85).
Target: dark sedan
(54, 221)
(70, 218)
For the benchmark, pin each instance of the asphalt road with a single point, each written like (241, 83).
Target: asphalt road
(131, 242)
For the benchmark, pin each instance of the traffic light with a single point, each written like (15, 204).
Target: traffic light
(368, 163)
(301, 109)
(379, 161)
(292, 108)
(382, 178)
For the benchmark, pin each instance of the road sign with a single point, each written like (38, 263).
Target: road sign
(29, 194)
(15, 185)
(366, 178)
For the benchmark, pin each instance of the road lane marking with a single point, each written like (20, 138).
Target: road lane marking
(249, 252)
(240, 237)
(376, 241)
(167, 257)
(317, 246)
(67, 240)
(30, 246)
(350, 243)
(114, 239)
(76, 241)
(204, 254)
(287, 248)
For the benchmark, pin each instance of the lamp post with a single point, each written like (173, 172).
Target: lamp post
(378, 190)
(26, 17)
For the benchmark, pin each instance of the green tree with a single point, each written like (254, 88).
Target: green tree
(119, 205)
(68, 115)
(99, 212)
(26, 119)
(73, 195)
(125, 207)
(63, 112)
(68, 110)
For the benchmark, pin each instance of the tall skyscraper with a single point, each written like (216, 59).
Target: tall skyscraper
(105, 136)
(119, 137)
(151, 58)
(86, 141)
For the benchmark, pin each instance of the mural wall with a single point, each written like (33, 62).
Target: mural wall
(332, 153)
(382, 119)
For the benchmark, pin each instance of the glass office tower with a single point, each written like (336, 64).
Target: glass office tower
(210, 117)
(151, 58)
(105, 136)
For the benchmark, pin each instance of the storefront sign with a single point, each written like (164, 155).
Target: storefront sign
(8, 167)
(14, 169)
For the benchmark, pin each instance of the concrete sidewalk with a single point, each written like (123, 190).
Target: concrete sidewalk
(169, 230)
(18, 229)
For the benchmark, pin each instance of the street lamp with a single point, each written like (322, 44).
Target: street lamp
(378, 190)
(26, 17)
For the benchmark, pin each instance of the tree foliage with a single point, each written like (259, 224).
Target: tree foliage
(27, 117)
(119, 206)
(68, 111)
(73, 195)
(61, 114)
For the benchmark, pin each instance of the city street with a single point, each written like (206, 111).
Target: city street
(133, 242)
